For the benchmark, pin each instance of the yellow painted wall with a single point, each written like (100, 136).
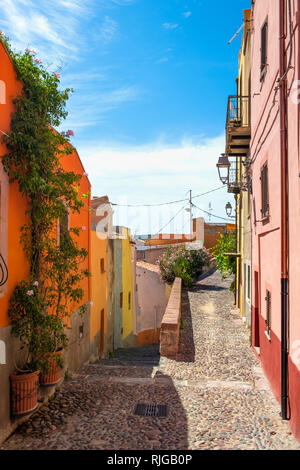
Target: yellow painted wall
(127, 285)
(243, 90)
(98, 286)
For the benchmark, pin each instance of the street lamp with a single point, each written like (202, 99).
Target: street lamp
(228, 208)
(223, 166)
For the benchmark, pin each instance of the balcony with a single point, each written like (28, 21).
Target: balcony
(238, 179)
(238, 132)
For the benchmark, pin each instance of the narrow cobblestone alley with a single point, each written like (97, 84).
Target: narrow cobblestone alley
(216, 393)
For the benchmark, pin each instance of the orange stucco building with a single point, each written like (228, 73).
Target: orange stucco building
(12, 217)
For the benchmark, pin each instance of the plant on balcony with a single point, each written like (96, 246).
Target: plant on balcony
(226, 264)
(183, 263)
(39, 308)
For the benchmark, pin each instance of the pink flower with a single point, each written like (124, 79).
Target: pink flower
(30, 292)
(36, 283)
(70, 133)
(30, 51)
(38, 61)
(56, 75)
(83, 227)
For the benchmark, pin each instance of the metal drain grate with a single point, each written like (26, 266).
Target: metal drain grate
(142, 409)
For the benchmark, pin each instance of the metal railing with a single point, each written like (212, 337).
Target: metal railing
(238, 178)
(238, 111)
(3, 271)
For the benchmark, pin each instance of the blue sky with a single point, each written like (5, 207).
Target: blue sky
(150, 79)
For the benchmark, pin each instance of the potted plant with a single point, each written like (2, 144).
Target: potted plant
(25, 314)
(52, 374)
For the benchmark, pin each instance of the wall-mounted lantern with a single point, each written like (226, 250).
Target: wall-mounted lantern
(223, 166)
(228, 208)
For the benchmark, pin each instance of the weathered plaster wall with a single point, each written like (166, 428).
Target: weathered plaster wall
(98, 292)
(118, 289)
(152, 298)
(127, 281)
(266, 234)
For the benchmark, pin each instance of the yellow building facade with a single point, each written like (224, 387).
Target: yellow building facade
(98, 318)
(243, 206)
(128, 338)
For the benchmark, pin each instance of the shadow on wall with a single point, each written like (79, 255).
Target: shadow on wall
(208, 287)
(186, 351)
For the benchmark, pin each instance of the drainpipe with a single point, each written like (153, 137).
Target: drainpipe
(284, 214)
(236, 250)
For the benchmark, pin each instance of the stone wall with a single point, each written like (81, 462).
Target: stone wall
(170, 325)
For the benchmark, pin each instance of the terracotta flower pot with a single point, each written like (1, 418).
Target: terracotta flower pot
(53, 375)
(24, 392)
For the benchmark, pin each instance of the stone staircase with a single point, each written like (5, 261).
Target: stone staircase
(146, 356)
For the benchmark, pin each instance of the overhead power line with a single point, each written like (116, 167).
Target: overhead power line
(177, 213)
(212, 215)
(167, 203)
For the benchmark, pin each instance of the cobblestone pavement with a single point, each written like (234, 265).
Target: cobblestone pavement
(216, 393)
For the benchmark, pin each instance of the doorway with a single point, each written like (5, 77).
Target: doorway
(101, 333)
(256, 342)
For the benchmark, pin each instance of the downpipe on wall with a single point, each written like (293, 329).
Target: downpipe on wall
(284, 213)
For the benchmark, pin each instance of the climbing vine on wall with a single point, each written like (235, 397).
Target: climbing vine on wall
(39, 308)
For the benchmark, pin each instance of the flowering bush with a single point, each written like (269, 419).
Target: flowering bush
(183, 263)
(39, 308)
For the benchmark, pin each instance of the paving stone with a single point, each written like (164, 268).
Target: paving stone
(216, 392)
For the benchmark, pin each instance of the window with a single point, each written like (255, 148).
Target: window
(2, 92)
(249, 283)
(129, 300)
(264, 191)
(121, 300)
(102, 265)
(268, 311)
(264, 50)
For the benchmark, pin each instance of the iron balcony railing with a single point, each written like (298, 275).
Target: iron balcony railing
(3, 271)
(238, 177)
(238, 112)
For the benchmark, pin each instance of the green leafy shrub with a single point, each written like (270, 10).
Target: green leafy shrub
(183, 263)
(226, 264)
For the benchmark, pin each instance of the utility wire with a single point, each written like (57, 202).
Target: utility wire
(209, 213)
(170, 220)
(167, 203)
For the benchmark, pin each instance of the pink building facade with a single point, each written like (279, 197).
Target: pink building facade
(275, 141)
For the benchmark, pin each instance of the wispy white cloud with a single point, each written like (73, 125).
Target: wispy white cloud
(122, 2)
(108, 30)
(162, 60)
(50, 27)
(56, 30)
(170, 25)
(187, 14)
(89, 109)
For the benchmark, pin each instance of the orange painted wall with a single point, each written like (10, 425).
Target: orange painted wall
(73, 163)
(17, 264)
